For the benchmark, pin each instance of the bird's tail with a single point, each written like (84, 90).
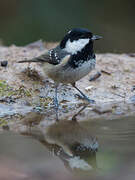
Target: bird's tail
(30, 60)
(43, 58)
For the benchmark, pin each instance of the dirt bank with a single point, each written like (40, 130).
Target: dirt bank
(24, 87)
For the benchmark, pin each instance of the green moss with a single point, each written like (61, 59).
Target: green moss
(3, 84)
(4, 88)
(3, 122)
(45, 101)
(22, 91)
(8, 91)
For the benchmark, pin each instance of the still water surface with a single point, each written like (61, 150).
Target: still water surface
(91, 149)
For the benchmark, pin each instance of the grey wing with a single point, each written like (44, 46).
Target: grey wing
(52, 56)
(57, 55)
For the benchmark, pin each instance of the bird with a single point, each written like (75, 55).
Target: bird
(72, 59)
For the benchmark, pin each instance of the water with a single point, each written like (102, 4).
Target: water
(91, 149)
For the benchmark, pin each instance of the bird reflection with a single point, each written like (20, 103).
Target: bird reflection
(71, 142)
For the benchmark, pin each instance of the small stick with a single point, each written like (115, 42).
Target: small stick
(105, 72)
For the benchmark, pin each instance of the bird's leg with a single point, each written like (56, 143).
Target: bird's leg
(55, 101)
(83, 95)
(74, 117)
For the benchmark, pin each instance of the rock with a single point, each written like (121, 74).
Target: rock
(4, 63)
(95, 76)
(132, 99)
(105, 108)
(89, 88)
(5, 127)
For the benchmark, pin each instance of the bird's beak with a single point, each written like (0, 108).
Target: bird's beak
(96, 37)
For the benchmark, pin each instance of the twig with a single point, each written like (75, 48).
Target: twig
(105, 72)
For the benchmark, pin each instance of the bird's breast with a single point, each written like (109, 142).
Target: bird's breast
(68, 74)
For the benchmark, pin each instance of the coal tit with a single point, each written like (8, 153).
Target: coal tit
(71, 60)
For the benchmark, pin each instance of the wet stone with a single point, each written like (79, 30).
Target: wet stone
(4, 63)
(5, 127)
(132, 99)
(103, 109)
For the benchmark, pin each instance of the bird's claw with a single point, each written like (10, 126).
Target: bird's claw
(91, 101)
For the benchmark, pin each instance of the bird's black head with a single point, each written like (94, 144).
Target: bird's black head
(77, 39)
(78, 33)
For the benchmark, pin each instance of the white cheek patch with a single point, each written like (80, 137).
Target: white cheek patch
(75, 46)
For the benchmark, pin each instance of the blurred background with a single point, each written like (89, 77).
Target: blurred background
(26, 21)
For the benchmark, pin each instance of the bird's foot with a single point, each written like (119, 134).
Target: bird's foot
(91, 101)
